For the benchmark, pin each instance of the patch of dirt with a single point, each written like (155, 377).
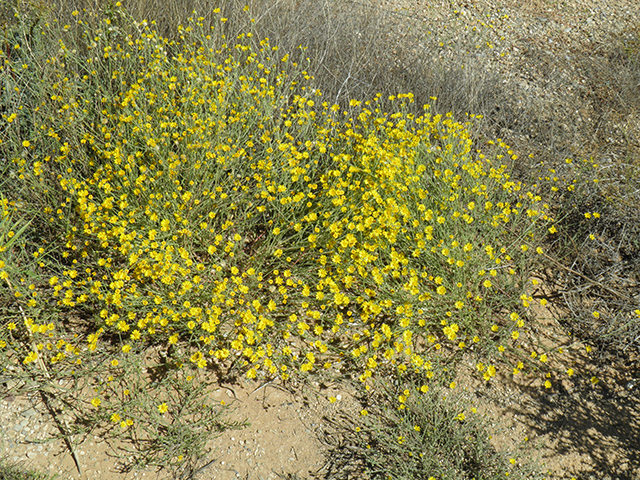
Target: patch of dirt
(25, 439)
(575, 429)
(279, 441)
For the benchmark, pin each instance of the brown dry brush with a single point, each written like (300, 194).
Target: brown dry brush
(598, 281)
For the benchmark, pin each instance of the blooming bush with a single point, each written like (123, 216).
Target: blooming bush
(198, 199)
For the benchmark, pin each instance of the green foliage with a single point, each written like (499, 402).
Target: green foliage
(406, 434)
(207, 202)
(10, 471)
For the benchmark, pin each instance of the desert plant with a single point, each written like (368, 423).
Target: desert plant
(405, 433)
(12, 471)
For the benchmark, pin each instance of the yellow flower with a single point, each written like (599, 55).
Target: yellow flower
(163, 408)
(96, 402)
(441, 290)
(490, 373)
(32, 357)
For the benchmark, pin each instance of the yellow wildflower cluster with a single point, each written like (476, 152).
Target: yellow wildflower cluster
(218, 204)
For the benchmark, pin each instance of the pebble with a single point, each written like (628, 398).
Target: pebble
(29, 413)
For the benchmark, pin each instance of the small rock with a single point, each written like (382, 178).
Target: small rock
(29, 413)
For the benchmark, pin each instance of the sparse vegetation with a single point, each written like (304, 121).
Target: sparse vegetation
(432, 435)
(9, 471)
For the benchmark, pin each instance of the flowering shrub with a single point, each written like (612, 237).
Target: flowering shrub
(198, 197)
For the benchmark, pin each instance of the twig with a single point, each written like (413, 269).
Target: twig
(63, 427)
(193, 472)
(265, 384)
(591, 280)
(231, 390)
